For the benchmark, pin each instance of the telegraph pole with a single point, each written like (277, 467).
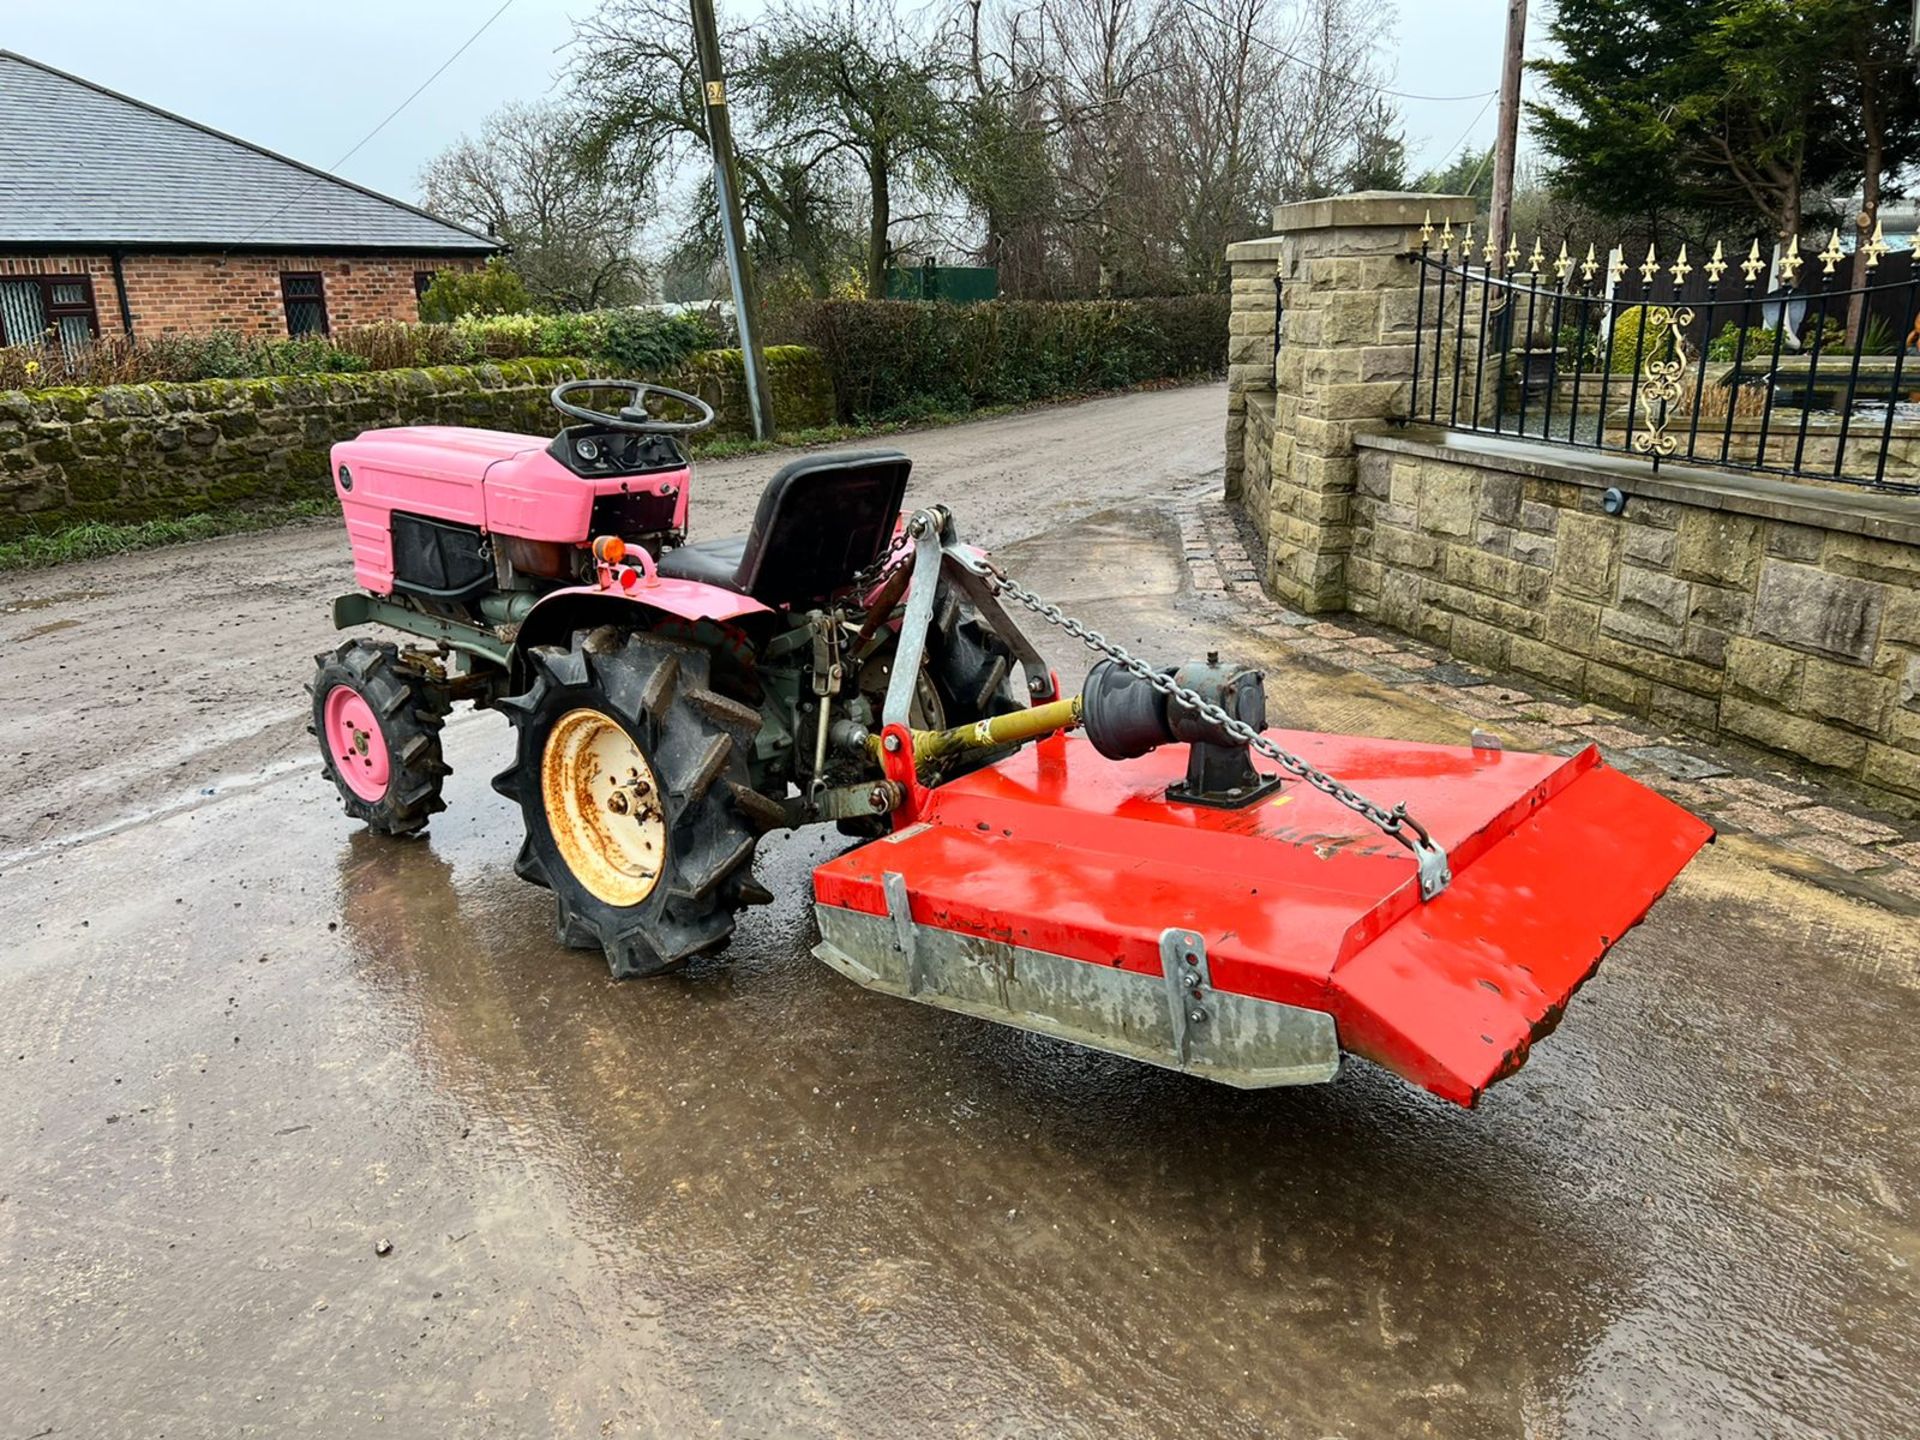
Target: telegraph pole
(1507, 137)
(726, 183)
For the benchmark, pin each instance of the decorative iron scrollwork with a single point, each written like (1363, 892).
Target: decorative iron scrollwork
(1664, 330)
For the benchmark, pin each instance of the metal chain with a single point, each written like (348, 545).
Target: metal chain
(1395, 822)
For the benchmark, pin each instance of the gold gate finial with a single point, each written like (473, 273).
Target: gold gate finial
(1680, 269)
(1876, 247)
(1717, 266)
(1790, 261)
(1832, 255)
(1616, 265)
(1588, 266)
(1753, 264)
(1426, 229)
(1650, 266)
(1513, 251)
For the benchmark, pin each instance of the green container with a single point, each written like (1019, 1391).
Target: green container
(956, 284)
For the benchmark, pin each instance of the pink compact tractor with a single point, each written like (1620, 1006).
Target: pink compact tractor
(1144, 868)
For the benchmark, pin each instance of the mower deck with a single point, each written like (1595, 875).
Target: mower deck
(1066, 894)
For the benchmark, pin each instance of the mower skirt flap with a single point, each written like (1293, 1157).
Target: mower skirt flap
(1063, 893)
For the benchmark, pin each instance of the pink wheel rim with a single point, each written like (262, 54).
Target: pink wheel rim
(354, 741)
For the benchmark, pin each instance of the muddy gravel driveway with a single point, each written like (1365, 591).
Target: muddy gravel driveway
(304, 1133)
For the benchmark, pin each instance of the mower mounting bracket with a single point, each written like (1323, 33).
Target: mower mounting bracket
(1183, 959)
(900, 912)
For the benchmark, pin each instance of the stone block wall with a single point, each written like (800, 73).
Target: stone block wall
(1778, 615)
(140, 452)
(1250, 326)
(1347, 299)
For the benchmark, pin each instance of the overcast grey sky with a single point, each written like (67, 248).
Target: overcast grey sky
(310, 81)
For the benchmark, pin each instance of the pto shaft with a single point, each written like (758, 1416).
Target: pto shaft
(1016, 727)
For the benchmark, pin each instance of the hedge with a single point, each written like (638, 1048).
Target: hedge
(893, 359)
(622, 340)
(125, 454)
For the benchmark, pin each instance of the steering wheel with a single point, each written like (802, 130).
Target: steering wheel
(633, 416)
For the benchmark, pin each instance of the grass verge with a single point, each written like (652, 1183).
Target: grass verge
(96, 538)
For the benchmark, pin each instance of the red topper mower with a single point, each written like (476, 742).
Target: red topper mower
(1174, 883)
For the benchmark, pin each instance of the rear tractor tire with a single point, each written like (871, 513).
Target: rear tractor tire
(631, 775)
(378, 719)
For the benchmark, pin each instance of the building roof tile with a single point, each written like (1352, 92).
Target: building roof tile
(98, 168)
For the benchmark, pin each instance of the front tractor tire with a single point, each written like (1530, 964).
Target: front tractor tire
(631, 775)
(378, 720)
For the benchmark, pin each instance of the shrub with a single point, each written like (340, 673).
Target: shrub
(493, 290)
(895, 359)
(1620, 351)
(394, 345)
(1832, 334)
(1726, 345)
(648, 340)
(622, 340)
(1876, 336)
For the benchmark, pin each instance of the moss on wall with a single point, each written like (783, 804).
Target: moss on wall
(163, 450)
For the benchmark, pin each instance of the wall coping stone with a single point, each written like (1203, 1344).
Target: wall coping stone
(1373, 207)
(1248, 252)
(1879, 516)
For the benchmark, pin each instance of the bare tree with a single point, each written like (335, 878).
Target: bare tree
(852, 82)
(1105, 147)
(1170, 127)
(1329, 99)
(1215, 141)
(571, 218)
(633, 70)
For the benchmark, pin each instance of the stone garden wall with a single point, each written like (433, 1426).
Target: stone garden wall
(1781, 615)
(140, 452)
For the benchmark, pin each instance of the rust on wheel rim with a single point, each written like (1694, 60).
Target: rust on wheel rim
(603, 807)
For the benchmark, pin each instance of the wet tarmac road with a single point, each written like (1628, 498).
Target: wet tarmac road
(243, 1045)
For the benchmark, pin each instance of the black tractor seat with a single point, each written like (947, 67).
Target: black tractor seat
(822, 520)
(711, 562)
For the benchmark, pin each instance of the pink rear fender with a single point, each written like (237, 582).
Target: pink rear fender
(651, 602)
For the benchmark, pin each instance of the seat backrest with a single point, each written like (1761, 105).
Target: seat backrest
(822, 519)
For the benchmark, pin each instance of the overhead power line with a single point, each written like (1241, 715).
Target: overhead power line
(1288, 55)
(393, 114)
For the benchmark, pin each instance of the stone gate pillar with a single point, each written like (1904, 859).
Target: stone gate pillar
(1254, 266)
(1345, 365)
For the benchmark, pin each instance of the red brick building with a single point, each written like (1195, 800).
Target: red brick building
(119, 218)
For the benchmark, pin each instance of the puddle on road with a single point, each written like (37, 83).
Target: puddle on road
(52, 627)
(756, 1199)
(47, 602)
(906, 1198)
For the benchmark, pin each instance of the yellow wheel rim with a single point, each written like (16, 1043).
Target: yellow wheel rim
(604, 807)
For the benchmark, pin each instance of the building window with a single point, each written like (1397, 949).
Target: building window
(33, 305)
(421, 280)
(305, 297)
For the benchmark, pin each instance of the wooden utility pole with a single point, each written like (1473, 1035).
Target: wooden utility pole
(1507, 137)
(726, 183)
